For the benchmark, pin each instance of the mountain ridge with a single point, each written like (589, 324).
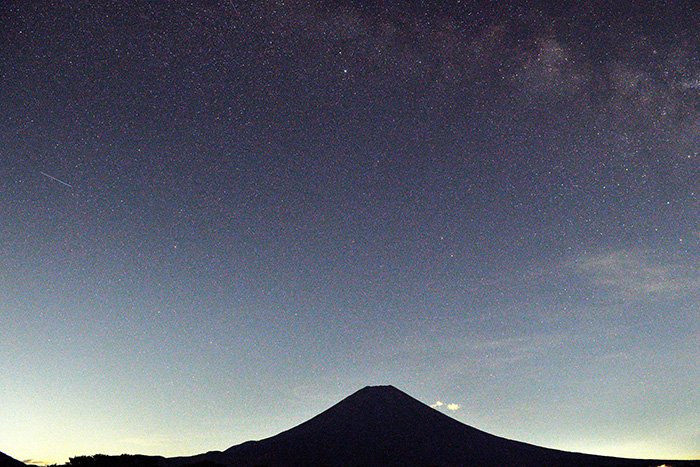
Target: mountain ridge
(8, 461)
(375, 426)
(383, 426)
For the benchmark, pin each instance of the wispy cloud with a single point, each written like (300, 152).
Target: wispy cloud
(635, 275)
(437, 404)
(453, 407)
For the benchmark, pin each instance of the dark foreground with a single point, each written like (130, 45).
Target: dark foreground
(377, 426)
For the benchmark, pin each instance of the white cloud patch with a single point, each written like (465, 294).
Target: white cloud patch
(449, 406)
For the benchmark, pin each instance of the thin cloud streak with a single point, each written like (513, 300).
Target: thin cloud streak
(636, 276)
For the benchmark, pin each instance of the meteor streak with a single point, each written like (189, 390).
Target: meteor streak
(56, 179)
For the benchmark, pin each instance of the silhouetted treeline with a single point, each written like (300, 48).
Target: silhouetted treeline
(126, 460)
(103, 460)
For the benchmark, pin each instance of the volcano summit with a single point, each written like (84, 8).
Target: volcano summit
(383, 426)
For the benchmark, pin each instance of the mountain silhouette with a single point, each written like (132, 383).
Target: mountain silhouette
(383, 426)
(7, 461)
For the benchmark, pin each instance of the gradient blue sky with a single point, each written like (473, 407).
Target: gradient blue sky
(268, 205)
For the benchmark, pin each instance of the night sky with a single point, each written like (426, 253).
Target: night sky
(219, 218)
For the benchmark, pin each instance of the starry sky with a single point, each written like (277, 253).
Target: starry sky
(218, 218)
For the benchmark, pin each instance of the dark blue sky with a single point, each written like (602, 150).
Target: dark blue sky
(219, 218)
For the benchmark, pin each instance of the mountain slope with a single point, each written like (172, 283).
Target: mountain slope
(382, 426)
(7, 461)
